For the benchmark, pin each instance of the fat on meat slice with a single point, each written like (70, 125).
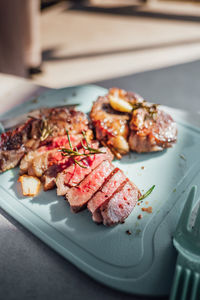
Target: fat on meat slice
(74, 174)
(79, 195)
(119, 206)
(111, 184)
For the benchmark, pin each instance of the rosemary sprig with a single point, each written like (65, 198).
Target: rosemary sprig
(91, 150)
(70, 144)
(147, 193)
(45, 130)
(73, 153)
(151, 109)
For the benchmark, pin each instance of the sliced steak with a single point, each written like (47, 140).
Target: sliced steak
(108, 188)
(79, 195)
(119, 206)
(74, 174)
(59, 164)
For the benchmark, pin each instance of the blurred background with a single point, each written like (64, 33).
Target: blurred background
(63, 43)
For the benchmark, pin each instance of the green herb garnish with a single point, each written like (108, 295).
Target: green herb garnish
(73, 153)
(147, 193)
(151, 109)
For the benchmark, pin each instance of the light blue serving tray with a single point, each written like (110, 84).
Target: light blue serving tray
(140, 263)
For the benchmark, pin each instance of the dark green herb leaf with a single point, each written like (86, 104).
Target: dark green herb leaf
(147, 193)
(73, 153)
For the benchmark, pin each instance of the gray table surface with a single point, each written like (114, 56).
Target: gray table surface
(31, 270)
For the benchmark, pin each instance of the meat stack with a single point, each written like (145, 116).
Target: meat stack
(87, 180)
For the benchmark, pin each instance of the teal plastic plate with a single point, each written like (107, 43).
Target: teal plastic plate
(140, 263)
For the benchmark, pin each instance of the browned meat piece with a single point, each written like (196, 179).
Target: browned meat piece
(144, 128)
(74, 174)
(108, 188)
(36, 162)
(50, 122)
(61, 119)
(119, 206)
(79, 195)
(49, 177)
(12, 146)
(9, 159)
(151, 132)
(112, 126)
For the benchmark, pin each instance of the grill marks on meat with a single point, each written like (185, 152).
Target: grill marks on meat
(14, 144)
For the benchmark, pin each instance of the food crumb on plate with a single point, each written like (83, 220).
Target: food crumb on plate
(139, 217)
(147, 209)
(128, 232)
(182, 156)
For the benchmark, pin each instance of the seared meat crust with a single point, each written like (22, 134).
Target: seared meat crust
(110, 124)
(151, 134)
(39, 131)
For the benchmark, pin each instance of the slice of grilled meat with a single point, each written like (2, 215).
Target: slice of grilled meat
(119, 206)
(60, 166)
(79, 195)
(35, 132)
(108, 188)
